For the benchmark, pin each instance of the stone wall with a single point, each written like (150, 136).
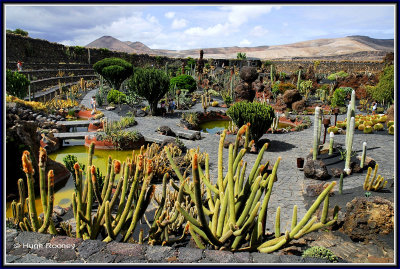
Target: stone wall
(36, 51)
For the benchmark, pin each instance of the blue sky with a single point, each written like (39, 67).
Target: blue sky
(195, 26)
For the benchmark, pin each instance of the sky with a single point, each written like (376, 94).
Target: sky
(179, 27)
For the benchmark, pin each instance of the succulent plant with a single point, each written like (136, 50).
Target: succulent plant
(378, 127)
(320, 252)
(375, 183)
(368, 130)
(361, 127)
(391, 129)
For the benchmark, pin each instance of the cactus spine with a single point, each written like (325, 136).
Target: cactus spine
(364, 152)
(350, 131)
(331, 137)
(316, 128)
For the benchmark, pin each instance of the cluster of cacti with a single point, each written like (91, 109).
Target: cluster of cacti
(231, 127)
(275, 123)
(375, 183)
(234, 210)
(160, 161)
(369, 123)
(205, 101)
(33, 222)
(258, 115)
(137, 173)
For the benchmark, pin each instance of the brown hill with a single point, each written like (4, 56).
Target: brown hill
(351, 47)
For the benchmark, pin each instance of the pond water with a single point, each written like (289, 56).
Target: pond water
(212, 127)
(63, 193)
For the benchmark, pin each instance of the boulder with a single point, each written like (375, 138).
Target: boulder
(230, 139)
(140, 113)
(368, 218)
(291, 96)
(248, 74)
(244, 92)
(316, 169)
(316, 189)
(336, 172)
(299, 106)
(165, 130)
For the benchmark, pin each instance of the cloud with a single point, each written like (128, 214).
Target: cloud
(258, 31)
(216, 30)
(179, 23)
(240, 14)
(169, 15)
(245, 42)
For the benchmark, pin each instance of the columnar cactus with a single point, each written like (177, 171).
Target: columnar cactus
(349, 147)
(316, 128)
(376, 183)
(236, 208)
(364, 152)
(331, 137)
(299, 80)
(34, 223)
(205, 102)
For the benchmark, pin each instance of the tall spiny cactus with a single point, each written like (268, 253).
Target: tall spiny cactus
(299, 80)
(235, 209)
(350, 131)
(316, 129)
(364, 152)
(205, 101)
(331, 137)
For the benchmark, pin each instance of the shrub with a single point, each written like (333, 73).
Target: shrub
(18, 32)
(151, 84)
(69, 162)
(320, 252)
(258, 115)
(114, 70)
(282, 87)
(338, 98)
(337, 75)
(16, 84)
(183, 82)
(116, 97)
(384, 90)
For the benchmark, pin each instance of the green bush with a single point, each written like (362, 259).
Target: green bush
(16, 84)
(114, 70)
(337, 75)
(183, 82)
(384, 90)
(116, 97)
(69, 162)
(320, 252)
(338, 99)
(151, 84)
(258, 115)
(18, 32)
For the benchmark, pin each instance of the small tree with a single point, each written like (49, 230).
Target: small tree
(241, 56)
(183, 82)
(114, 71)
(16, 84)
(149, 83)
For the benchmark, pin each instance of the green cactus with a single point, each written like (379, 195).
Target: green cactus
(235, 209)
(320, 252)
(368, 130)
(391, 129)
(259, 116)
(341, 184)
(378, 127)
(34, 223)
(299, 80)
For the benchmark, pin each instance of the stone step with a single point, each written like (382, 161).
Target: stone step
(77, 123)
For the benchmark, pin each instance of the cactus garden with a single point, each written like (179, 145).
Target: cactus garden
(131, 158)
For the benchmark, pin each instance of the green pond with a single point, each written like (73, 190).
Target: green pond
(63, 192)
(213, 127)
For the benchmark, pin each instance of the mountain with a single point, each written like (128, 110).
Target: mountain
(344, 48)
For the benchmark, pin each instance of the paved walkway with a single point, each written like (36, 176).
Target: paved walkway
(288, 189)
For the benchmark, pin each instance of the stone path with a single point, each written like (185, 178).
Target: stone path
(286, 193)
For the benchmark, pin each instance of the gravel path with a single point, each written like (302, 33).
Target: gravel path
(291, 181)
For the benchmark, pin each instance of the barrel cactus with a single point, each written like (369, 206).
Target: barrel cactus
(333, 129)
(390, 123)
(259, 116)
(378, 127)
(391, 130)
(368, 129)
(361, 127)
